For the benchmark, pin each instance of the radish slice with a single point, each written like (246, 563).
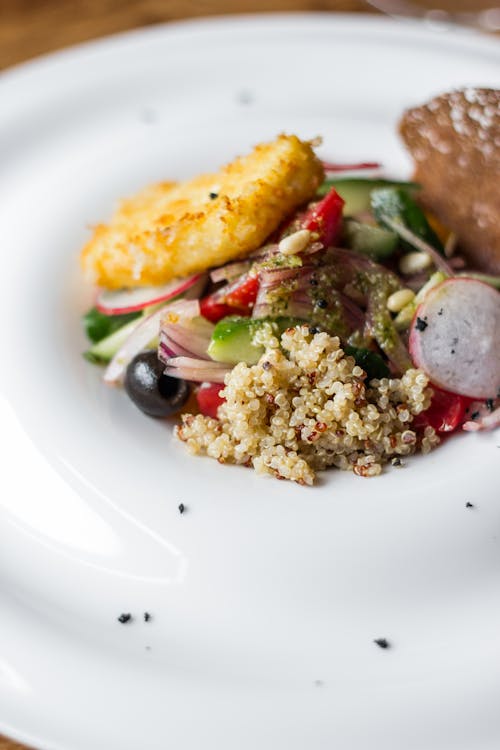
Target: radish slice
(455, 337)
(118, 302)
(329, 166)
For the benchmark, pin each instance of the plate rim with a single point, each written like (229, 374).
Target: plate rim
(45, 65)
(207, 23)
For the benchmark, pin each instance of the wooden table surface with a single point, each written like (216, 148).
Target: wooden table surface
(32, 27)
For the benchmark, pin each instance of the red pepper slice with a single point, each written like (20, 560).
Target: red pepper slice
(446, 412)
(213, 310)
(237, 299)
(208, 398)
(325, 218)
(244, 294)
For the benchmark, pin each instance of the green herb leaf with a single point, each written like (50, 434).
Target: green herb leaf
(398, 205)
(371, 362)
(98, 326)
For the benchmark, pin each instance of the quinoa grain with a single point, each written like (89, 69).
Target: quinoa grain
(288, 424)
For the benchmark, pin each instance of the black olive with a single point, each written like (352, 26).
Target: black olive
(154, 393)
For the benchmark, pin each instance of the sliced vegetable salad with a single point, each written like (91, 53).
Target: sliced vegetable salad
(362, 262)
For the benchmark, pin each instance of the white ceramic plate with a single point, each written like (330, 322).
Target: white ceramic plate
(265, 596)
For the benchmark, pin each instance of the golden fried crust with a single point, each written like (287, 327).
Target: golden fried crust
(455, 142)
(169, 231)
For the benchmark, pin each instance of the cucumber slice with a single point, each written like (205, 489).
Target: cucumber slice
(105, 349)
(398, 205)
(233, 338)
(356, 191)
(373, 241)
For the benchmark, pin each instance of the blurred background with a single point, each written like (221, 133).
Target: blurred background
(33, 27)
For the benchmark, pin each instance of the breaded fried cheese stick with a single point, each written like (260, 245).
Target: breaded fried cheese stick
(173, 230)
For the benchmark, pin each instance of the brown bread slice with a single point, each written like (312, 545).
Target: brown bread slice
(455, 142)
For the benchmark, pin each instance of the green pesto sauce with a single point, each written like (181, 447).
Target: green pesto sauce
(378, 287)
(332, 317)
(279, 298)
(278, 261)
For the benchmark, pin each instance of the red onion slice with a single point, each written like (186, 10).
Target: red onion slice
(146, 331)
(190, 341)
(230, 272)
(406, 234)
(193, 334)
(168, 349)
(189, 368)
(485, 422)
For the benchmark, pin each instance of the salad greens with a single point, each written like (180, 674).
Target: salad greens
(356, 191)
(397, 204)
(340, 284)
(371, 362)
(98, 326)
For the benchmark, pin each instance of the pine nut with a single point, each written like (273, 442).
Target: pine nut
(295, 242)
(414, 262)
(400, 299)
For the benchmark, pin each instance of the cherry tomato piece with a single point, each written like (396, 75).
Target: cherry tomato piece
(213, 310)
(208, 398)
(237, 299)
(446, 412)
(244, 294)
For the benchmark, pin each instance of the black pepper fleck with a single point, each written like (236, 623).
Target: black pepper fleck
(440, 311)
(469, 505)
(147, 617)
(245, 97)
(474, 415)
(313, 330)
(267, 365)
(396, 461)
(322, 303)
(213, 196)
(314, 282)
(421, 324)
(125, 617)
(382, 642)
(148, 115)
(182, 508)
(452, 351)
(489, 404)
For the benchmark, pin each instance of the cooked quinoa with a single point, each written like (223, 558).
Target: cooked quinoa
(306, 406)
